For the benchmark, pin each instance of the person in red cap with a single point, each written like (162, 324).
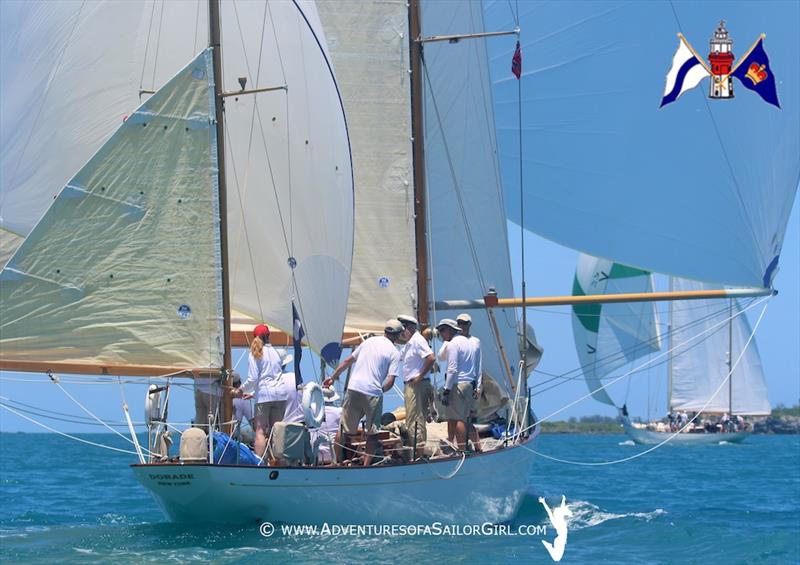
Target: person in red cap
(263, 382)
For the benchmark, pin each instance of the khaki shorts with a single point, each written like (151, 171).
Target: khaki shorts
(461, 403)
(270, 412)
(357, 404)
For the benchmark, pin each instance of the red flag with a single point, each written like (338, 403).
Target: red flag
(516, 62)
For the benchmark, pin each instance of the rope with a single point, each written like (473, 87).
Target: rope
(452, 474)
(86, 441)
(672, 435)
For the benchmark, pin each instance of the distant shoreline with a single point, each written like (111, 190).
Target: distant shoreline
(780, 424)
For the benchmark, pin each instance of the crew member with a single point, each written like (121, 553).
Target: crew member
(457, 395)
(263, 382)
(375, 366)
(294, 395)
(464, 322)
(417, 359)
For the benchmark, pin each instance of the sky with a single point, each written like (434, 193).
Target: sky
(549, 271)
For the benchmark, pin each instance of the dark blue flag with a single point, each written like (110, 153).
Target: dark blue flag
(754, 73)
(297, 337)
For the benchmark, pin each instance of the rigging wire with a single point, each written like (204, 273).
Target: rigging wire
(672, 435)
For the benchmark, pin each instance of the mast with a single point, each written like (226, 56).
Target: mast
(216, 46)
(730, 357)
(669, 347)
(418, 159)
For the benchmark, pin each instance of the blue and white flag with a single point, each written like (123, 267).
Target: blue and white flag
(754, 73)
(686, 72)
(297, 341)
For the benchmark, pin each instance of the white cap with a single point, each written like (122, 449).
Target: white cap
(406, 319)
(330, 395)
(464, 318)
(447, 322)
(393, 326)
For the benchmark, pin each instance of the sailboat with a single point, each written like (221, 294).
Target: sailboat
(611, 336)
(364, 183)
(311, 182)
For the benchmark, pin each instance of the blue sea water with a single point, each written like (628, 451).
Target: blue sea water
(67, 502)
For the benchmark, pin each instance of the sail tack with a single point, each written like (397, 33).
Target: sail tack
(702, 188)
(700, 368)
(124, 268)
(608, 336)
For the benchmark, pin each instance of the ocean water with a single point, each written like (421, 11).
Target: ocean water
(65, 502)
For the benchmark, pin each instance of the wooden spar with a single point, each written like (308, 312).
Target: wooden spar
(239, 338)
(418, 158)
(493, 302)
(215, 43)
(457, 38)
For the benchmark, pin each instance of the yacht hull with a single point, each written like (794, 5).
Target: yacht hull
(647, 437)
(479, 488)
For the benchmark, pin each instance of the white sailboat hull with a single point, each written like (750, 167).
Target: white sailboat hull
(484, 488)
(647, 437)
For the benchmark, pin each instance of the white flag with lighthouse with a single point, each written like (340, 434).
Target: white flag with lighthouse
(689, 69)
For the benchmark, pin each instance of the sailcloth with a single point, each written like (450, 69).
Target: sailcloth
(700, 188)
(124, 268)
(700, 367)
(469, 245)
(608, 336)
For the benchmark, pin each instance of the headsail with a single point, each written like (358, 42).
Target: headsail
(599, 151)
(468, 240)
(607, 336)
(124, 269)
(701, 366)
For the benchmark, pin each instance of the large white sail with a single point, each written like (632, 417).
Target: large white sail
(369, 47)
(608, 336)
(468, 240)
(289, 172)
(290, 181)
(599, 151)
(124, 267)
(59, 60)
(700, 367)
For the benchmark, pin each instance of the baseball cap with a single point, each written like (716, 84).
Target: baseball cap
(393, 326)
(447, 322)
(466, 318)
(406, 319)
(260, 330)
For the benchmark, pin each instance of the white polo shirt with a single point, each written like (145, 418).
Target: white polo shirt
(476, 346)
(294, 399)
(264, 376)
(375, 359)
(461, 362)
(413, 355)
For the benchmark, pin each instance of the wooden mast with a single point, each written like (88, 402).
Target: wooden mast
(418, 157)
(216, 46)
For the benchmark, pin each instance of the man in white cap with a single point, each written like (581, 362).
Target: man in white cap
(458, 392)
(464, 322)
(376, 363)
(417, 359)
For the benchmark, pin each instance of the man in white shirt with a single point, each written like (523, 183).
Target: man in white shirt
(464, 322)
(457, 396)
(243, 413)
(294, 396)
(417, 359)
(375, 365)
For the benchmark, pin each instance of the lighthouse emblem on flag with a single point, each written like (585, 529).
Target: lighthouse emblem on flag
(689, 69)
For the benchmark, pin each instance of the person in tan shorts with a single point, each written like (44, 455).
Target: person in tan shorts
(375, 365)
(458, 391)
(416, 359)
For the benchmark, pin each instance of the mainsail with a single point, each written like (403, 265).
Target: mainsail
(608, 336)
(599, 152)
(289, 177)
(700, 367)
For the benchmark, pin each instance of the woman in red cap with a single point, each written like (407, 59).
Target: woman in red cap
(264, 382)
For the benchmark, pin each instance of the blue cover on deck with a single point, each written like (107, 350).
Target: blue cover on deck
(226, 449)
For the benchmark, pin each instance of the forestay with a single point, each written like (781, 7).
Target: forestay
(124, 268)
(468, 239)
(700, 188)
(700, 367)
(608, 336)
